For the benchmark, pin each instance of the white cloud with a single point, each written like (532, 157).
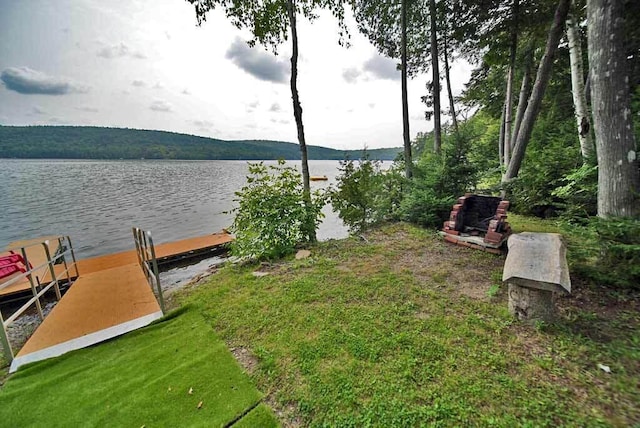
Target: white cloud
(161, 105)
(382, 68)
(119, 51)
(350, 75)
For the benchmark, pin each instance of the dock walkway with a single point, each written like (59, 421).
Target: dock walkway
(110, 297)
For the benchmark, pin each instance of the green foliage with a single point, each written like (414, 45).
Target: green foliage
(271, 218)
(439, 179)
(268, 20)
(87, 142)
(612, 255)
(366, 195)
(552, 152)
(579, 192)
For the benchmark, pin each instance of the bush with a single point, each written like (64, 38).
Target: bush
(272, 218)
(579, 194)
(366, 195)
(615, 259)
(438, 180)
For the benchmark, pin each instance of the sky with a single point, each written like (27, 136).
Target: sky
(146, 64)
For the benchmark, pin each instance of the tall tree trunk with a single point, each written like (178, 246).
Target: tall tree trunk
(618, 176)
(405, 103)
(309, 227)
(577, 88)
(435, 67)
(508, 107)
(539, 87)
(525, 90)
(501, 142)
(508, 100)
(452, 104)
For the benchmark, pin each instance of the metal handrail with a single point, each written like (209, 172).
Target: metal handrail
(146, 252)
(38, 289)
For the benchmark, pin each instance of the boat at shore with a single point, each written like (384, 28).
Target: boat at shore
(318, 178)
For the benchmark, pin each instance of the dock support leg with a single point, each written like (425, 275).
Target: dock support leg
(4, 340)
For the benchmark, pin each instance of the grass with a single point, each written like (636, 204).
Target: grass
(400, 330)
(140, 379)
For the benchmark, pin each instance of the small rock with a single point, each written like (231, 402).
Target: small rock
(303, 254)
(258, 274)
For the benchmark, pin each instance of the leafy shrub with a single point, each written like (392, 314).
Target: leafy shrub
(271, 217)
(365, 194)
(615, 260)
(579, 194)
(439, 179)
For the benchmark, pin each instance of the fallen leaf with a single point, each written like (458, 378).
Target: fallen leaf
(200, 405)
(190, 391)
(604, 368)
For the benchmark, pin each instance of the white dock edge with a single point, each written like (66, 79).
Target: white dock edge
(84, 341)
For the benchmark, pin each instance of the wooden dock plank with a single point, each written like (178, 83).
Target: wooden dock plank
(111, 297)
(98, 306)
(110, 261)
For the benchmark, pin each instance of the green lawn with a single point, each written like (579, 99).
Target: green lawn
(140, 379)
(399, 330)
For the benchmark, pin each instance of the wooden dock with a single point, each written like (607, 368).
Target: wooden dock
(110, 297)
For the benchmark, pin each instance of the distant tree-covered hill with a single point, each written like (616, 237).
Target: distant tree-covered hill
(85, 142)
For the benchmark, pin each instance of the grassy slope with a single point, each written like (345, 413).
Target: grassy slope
(141, 379)
(399, 331)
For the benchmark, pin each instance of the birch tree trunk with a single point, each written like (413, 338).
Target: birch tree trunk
(297, 113)
(508, 101)
(435, 67)
(539, 87)
(508, 107)
(577, 89)
(501, 139)
(405, 103)
(452, 105)
(525, 89)
(618, 176)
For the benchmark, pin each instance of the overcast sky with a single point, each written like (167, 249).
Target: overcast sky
(145, 64)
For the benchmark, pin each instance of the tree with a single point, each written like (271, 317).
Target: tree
(395, 29)
(577, 88)
(270, 21)
(452, 104)
(435, 72)
(535, 100)
(618, 176)
(508, 99)
(405, 102)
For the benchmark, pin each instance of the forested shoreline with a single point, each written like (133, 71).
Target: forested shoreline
(83, 142)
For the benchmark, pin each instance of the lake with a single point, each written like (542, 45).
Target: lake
(97, 202)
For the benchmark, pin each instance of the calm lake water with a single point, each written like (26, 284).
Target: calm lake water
(97, 202)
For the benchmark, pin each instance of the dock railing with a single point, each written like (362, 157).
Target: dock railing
(34, 275)
(148, 262)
